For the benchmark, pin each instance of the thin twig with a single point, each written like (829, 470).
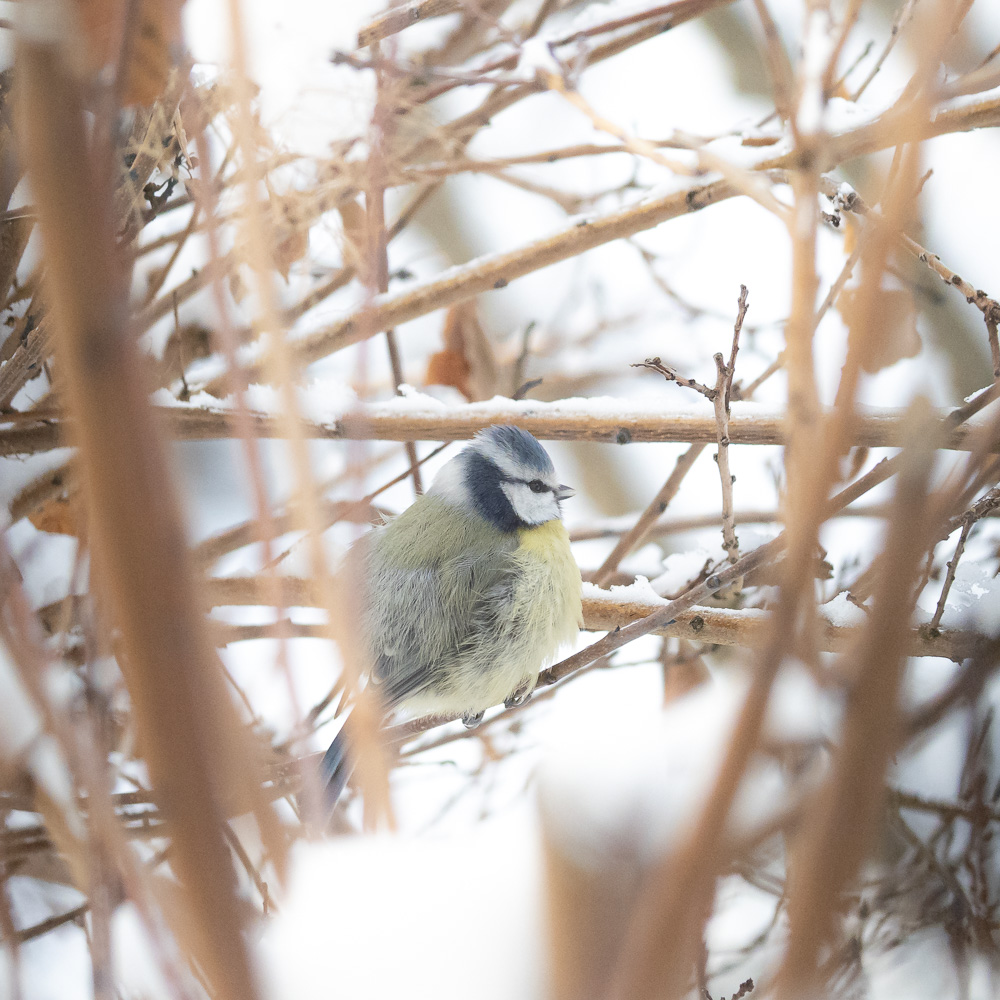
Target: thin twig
(778, 66)
(378, 238)
(647, 520)
(899, 22)
(51, 923)
(986, 304)
(656, 365)
(723, 386)
(397, 18)
(495, 271)
(250, 868)
(950, 575)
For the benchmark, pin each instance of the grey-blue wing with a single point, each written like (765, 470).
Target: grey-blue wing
(335, 769)
(425, 622)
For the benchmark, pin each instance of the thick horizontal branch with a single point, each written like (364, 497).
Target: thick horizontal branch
(567, 420)
(717, 626)
(726, 627)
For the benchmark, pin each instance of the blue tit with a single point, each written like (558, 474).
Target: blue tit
(469, 591)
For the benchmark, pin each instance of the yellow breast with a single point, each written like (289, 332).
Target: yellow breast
(549, 563)
(549, 540)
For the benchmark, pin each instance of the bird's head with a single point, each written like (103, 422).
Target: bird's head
(506, 477)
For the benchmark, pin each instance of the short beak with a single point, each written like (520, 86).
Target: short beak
(564, 492)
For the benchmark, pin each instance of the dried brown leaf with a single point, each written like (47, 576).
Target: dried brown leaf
(151, 42)
(448, 368)
(896, 336)
(57, 515)
(352, 217)
(290, 246)
(467, 361)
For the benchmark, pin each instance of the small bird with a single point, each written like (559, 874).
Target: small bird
(470, 590)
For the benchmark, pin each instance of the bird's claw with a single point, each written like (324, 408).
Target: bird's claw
(519, 697)
(470, 720)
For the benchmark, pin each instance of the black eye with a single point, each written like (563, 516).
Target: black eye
(537, 486)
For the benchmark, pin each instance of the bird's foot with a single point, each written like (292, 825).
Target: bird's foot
(520, 696)
(470, 720)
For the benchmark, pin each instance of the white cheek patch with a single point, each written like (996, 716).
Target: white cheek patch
(531, 507)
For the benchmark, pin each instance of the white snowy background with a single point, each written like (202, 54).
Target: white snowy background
(452, 904)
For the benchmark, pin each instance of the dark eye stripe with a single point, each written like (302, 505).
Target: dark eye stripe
(535, 485)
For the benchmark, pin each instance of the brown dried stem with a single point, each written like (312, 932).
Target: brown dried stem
(190, 733)
(778, 66)
(723, 387)
(839, 828)
(396, 19)
(278, 364)
(378, 240)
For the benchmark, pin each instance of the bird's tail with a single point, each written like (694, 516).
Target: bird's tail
(335, 770)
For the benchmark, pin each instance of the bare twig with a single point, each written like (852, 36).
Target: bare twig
(985, 303)
(278, 364)
(175, 687)
(723, 387)
(656, 365)
(778, 66)
(498, 270)
(378, 239)
(51, 923)
(646, 522)
(899, 22)
(398, 18)
(984, 507)
(950, 575)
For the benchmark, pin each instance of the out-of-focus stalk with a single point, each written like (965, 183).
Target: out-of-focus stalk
(187, 725)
